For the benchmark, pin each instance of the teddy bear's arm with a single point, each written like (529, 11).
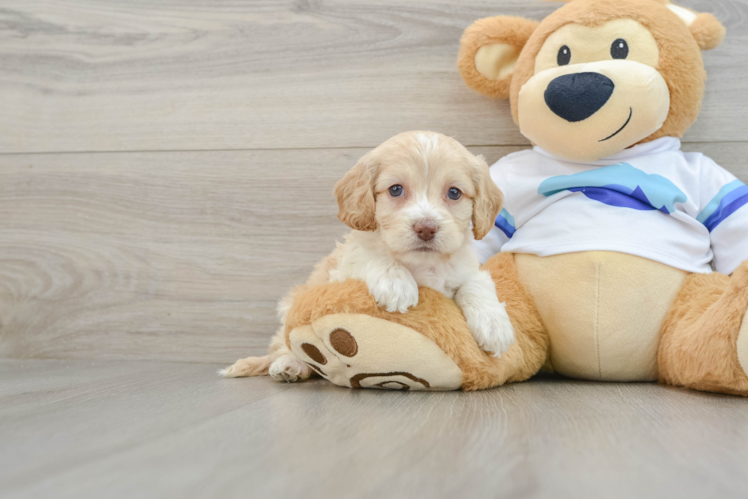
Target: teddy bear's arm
(723, 211)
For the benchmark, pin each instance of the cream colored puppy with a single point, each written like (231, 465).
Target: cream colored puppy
(415, 203)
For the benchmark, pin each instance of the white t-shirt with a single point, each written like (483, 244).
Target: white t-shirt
(651, 200)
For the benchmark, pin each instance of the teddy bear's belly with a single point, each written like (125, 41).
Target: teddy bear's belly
(602, 310)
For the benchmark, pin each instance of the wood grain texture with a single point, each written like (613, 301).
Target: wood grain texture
(124, 429)
(170, 256)
(106, 75)
(60, 414)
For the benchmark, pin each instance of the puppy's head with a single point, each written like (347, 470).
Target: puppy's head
(423, 191)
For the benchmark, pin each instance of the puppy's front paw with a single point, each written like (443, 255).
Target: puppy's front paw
(395, 293)
(289, 368)
(491, 328)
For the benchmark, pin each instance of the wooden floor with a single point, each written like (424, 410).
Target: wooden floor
(146, 429)
(166, 171)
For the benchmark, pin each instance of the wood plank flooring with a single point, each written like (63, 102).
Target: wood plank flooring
(107, 75)
(177, 256)
(108, 429)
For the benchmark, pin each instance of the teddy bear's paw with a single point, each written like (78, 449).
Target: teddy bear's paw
(491, 328)
(396, 291)
(357, 350)
(289, 368)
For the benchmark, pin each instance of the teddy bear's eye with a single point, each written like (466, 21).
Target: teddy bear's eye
(619, 49)
(564, 56)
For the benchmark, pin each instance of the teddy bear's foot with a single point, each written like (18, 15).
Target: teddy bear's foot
(341, 333)
(357, 350)
(704, 343)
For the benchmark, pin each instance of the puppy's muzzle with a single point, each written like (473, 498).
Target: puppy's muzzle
(426, 230)
(578, 96)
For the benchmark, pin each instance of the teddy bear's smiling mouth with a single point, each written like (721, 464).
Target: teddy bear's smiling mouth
(631, 112)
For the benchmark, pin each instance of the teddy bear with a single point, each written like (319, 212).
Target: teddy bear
(619, 257)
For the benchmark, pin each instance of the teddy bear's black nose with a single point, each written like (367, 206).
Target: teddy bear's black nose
(578, 96)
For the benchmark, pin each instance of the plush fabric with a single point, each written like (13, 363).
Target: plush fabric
(707, 31)
(359, 350)
(585, 299)
(435, 317)
(544, 119)
(507, 31)
(698, 346)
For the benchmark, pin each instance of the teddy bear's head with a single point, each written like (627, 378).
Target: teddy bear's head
(596, 76)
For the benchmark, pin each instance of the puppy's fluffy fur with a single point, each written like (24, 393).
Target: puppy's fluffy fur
(385, 249)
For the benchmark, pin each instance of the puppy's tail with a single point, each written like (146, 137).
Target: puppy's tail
(248, 367)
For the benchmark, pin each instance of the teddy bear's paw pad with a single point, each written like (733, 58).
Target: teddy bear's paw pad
(399, 381)
(357, 350)
(743, 345)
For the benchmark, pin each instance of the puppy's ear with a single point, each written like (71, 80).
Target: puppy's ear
(488, 199)
(489, 50)
(355, 194)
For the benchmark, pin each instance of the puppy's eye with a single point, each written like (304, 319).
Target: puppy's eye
(396, 190)
(564, 56)
(619, 49)
(454, 194)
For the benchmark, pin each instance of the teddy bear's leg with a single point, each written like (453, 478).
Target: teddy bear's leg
(339, 331)
(705, 338)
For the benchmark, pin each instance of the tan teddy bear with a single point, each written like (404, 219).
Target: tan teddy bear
(616, 252)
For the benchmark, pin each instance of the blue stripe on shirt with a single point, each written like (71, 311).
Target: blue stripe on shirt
(505, 222)
(728, 200)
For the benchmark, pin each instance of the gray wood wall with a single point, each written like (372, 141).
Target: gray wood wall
(166, 167)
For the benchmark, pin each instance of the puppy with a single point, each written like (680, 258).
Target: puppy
(414, 204)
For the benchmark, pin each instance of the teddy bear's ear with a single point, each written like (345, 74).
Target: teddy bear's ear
(489, 50)
(705, 28)
(707, 31)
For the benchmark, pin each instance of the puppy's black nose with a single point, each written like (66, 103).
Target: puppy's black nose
(578, 96)
(426, 230)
